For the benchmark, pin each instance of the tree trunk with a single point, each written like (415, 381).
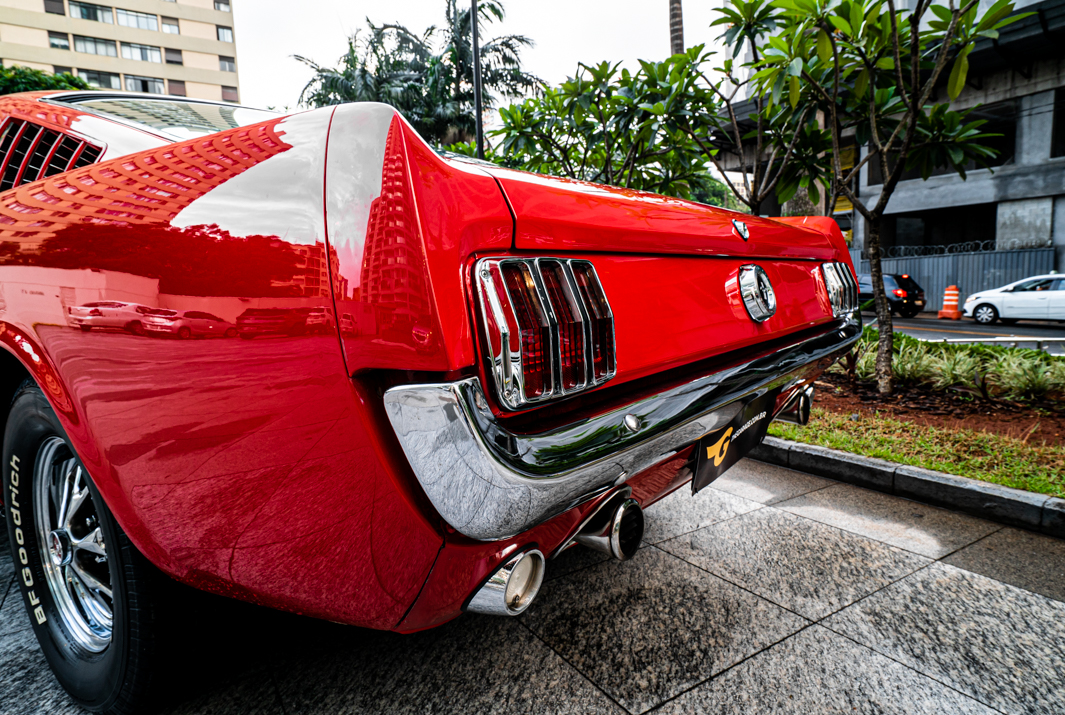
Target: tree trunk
(800, 205)
(885, 378)
(676, 27)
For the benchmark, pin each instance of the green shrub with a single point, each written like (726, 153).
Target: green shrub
(989, 370)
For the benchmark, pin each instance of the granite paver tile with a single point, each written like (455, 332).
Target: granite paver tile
(681, 512)
(477, 664)
(1002, 645)
(12, 612)
(817, 671)
(646, 630)
(805, 566)
(767, 483)
(919, 528)
(1019, 558)
(573, 559)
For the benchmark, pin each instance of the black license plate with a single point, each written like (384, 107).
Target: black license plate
(719, 450)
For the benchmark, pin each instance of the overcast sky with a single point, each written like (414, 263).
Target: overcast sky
(566, 32)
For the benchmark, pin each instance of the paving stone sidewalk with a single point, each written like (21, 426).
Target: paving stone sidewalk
(772, 591)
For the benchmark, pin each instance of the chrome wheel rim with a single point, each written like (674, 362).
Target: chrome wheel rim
(71, 544)
(984, 314)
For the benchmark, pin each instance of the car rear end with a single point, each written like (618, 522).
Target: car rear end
(582, 351)
(906, 296)
(162, 322)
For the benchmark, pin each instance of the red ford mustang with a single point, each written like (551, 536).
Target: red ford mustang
(520, 364)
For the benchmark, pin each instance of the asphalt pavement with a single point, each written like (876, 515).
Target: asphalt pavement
(927, 327)
(772, 591)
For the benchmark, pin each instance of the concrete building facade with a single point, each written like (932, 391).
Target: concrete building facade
(1017, 85)
(176, 47)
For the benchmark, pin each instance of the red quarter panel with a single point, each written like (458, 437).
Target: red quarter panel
(252, 468)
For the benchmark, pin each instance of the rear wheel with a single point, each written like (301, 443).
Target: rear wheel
(231, 333)
(88, 592)
(985, 314)
(184, 332)
(135, 327)
(909, 312)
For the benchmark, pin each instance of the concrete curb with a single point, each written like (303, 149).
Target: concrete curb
(1036, 512)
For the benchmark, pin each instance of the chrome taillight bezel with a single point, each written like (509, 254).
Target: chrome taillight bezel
(842, 288)
(504, 363)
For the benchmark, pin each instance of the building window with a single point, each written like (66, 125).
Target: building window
(177, 87)
(101, 80)
(225, 34)
(173, 57)
(59, 40)
(170, 26)
(227, 64)
(141, 53)
(87, 11)
(151, 85)
(95, 46)
(1057, 134)
(229, 94)
(63, 70)
(139, 20)
(55, 7)
(222, 5)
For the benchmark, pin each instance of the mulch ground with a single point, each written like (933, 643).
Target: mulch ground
(947, 409)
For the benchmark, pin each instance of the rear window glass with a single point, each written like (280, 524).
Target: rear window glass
(173, 118)
(907, 282)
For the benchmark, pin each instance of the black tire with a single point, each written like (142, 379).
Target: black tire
(909, 312)
(184, 332)
(135, 327)
(985, 314)
(115, 675)
(231, 332)
(85, 328)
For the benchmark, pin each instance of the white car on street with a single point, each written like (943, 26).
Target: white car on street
(1035, 298)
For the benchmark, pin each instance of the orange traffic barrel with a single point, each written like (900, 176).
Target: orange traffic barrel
(950, 304)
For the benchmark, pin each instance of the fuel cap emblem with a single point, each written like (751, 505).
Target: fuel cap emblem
(757, 292)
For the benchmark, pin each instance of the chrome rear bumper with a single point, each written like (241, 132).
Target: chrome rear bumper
(491, 483)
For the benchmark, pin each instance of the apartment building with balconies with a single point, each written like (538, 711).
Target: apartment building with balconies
(183, 48)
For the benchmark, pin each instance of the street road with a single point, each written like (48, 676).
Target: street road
(769, 591)
(927, 327)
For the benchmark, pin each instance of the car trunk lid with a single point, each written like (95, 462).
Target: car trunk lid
(553, 214)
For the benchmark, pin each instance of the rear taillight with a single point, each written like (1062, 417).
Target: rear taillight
(600, 317)
(899, 292)
(842, 288)
(548, 328)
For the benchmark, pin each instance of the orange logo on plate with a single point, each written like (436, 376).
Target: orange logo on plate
(718, 450)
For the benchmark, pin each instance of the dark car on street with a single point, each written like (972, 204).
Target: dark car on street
(905, 297)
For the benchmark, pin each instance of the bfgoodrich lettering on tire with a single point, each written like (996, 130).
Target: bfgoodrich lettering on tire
(86, 589)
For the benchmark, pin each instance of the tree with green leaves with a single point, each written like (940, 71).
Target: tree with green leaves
(873, 69)
(427, 76)
(23, 79)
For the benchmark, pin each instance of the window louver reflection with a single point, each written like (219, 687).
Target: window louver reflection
(29, 152)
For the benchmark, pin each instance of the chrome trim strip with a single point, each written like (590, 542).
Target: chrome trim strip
(490, 483)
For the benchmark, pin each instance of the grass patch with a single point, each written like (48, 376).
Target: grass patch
(967, 453)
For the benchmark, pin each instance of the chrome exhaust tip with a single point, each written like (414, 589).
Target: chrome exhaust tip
(617, 532)
(512, 587)
(797, 411)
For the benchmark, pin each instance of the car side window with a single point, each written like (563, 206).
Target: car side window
(1059, 284)
(1036, 285)
(29, 152)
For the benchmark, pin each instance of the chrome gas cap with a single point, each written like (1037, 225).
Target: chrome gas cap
(757, 292)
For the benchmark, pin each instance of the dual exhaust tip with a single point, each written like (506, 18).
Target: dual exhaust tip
(797, 411)
(616, 528)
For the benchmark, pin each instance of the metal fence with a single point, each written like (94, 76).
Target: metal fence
(971, 272)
